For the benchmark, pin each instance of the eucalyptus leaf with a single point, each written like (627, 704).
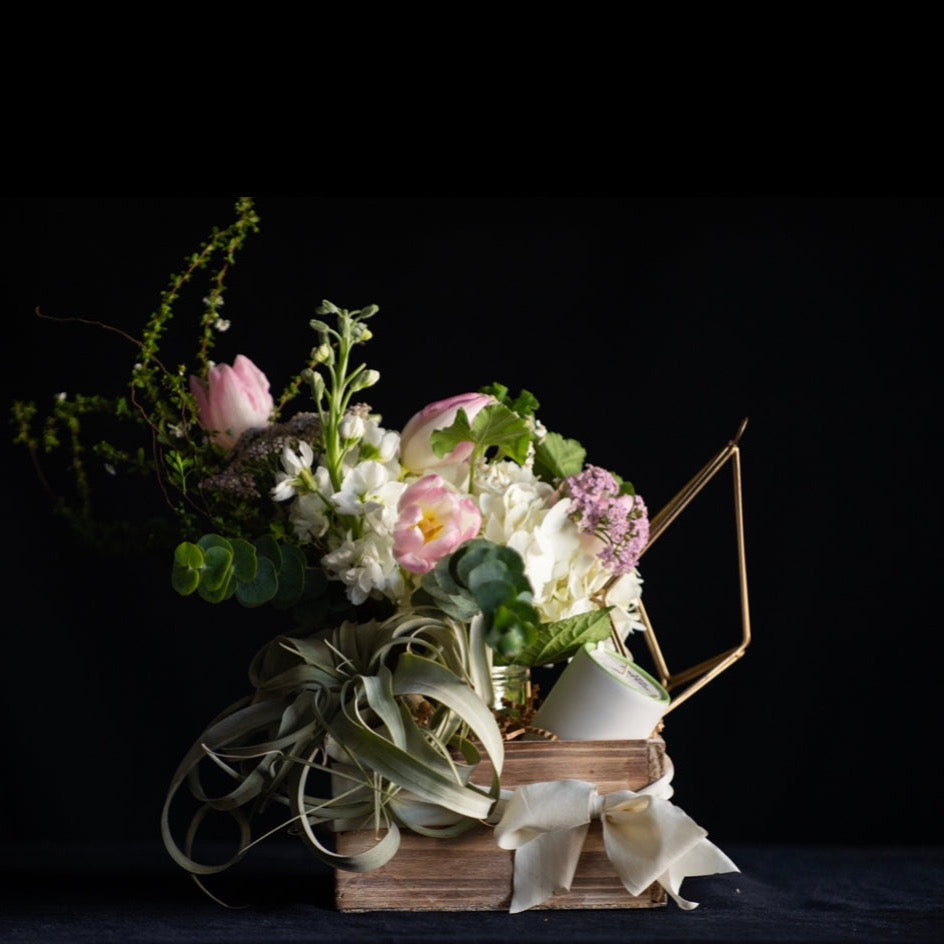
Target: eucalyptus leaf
(262, 588)
(244, 560)
(267, 546)
(491, 594)
(490, 570)
(217, 567)
(214, 540)
(291, 577)
(187, 554)
(223, 591)
(185, 573)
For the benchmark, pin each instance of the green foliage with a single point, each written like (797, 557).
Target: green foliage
(558, 641)
(494, 427)
(487, 578)
(158, 404)
(218, 568)
(525, 404)
(555, 458)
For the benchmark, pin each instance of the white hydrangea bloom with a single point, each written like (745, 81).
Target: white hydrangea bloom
(520, 511)
(517, 512)
(624, 595)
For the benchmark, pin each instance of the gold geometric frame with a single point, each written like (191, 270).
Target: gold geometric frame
(700, 675)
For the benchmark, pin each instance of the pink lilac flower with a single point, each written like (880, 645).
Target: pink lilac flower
(621, 522)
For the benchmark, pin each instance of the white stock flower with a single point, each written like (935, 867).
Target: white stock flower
(376, 445)
(385, 442)
(297, 478)
(366, 566)
(309, 517)
(352, 427)
(366, 489)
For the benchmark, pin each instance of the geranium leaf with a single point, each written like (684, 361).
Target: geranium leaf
(495, 426)
(556, 458)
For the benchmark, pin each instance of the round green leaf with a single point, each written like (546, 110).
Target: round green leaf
(261, 588)
(493, 593)
(291, 576)
(267, 546)
(185, 573)
(244, 560)
(217, 566)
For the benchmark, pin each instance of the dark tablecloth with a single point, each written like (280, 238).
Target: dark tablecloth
(133, 892)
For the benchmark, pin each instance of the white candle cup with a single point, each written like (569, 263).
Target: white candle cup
(602, 696)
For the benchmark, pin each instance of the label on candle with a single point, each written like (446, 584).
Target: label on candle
(602, 696)
(627, 672)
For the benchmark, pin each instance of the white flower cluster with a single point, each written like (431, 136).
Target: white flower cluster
(522, 512)
(356, 524)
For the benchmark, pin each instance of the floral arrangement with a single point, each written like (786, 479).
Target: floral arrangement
(411, 568)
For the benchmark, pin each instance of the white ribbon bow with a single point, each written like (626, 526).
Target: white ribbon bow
(647, 838)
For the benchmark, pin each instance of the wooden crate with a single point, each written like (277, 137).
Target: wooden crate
(471, 873)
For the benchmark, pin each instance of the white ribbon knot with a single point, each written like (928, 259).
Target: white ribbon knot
(647, 838)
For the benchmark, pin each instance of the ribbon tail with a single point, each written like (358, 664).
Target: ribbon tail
(545, 866)
(705, 858)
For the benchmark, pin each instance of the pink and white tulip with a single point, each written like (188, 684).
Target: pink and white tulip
(433, 521)
(416, 454)
(232, 400)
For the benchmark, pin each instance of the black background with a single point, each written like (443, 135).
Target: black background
(648, 328)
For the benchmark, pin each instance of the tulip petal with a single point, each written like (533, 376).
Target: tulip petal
(416, 453)
(233, 400)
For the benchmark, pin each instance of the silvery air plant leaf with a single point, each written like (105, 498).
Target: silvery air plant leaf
(346, 703)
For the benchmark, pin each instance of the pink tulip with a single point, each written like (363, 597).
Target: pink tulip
(416, 454)
(232, 400)
(433, 521)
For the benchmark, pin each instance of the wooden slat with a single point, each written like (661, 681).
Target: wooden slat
(471, 873)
